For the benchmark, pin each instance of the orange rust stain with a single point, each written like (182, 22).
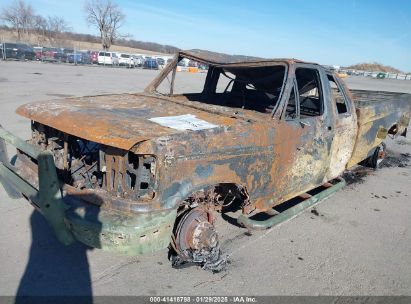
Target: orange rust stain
(119, 120)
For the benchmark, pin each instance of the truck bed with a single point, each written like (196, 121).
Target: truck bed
(363, 98)
(379, 113)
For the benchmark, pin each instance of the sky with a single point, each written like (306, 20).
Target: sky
(330, 32)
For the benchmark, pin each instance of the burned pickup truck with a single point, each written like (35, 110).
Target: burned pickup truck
(137, 173)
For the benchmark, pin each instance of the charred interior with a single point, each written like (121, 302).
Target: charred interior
(256, 88)
(85, 164)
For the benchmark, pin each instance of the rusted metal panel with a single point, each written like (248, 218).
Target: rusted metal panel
(220, 58)
(115, 120)
(377, 111)
(345, 133)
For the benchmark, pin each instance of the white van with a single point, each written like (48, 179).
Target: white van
(108, 58)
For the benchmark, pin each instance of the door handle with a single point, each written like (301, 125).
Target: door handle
(304, 124)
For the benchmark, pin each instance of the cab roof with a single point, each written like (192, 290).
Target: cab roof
(214, 58)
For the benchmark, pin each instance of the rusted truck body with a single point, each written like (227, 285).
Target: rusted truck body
(136, 173)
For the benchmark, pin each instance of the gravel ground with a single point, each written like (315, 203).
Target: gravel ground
(358, 242)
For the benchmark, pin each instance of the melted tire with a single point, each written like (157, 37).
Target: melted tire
(376, 158)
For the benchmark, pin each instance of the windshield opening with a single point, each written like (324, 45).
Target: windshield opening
(251, 88)
(256, 88)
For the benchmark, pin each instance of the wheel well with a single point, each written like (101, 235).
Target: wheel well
(220, 194)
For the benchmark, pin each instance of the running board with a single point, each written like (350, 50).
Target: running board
(292, 212)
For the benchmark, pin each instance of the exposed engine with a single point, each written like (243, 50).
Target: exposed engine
(85, 164)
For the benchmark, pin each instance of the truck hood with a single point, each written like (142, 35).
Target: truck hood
(121, 120)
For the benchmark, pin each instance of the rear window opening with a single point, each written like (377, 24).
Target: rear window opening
(337, 95)
(306, 99)
(309, 92)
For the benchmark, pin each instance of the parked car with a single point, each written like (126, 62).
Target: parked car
(19, 51)
(182, 63)
(126, 60)
(193, 64)
(342, 74)
(161, 61)
(381, 75)
(81, 57)
(38, 50)
(62, 54)
(151, 64)
(139, 60)
(54, 54)
(94, 57)
(108, 58)
(49, 54)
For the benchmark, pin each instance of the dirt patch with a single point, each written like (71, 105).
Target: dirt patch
(396, 160)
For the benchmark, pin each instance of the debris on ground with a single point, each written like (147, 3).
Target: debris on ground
(396, 160)
(315, 212)
(355, 176)
(392, 159)
(403, 142)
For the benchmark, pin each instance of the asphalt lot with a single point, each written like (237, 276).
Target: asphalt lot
(358, 244)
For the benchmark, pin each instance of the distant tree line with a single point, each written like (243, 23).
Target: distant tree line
(149, 46)
(104, 15)
(22, 18)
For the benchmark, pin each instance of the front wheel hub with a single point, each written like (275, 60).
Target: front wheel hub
(204, 236)
(196, 240)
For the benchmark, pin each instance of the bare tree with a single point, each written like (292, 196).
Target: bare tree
(56, 27)
(19, 16)
(107, 17)
(50, 28)
(40, 27)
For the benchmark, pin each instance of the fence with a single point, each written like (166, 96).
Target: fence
(399, 76)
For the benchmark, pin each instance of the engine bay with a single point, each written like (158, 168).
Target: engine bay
(84, 164)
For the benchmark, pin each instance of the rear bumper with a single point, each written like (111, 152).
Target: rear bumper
(72, 218)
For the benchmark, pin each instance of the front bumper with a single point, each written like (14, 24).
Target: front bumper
(72, 218)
